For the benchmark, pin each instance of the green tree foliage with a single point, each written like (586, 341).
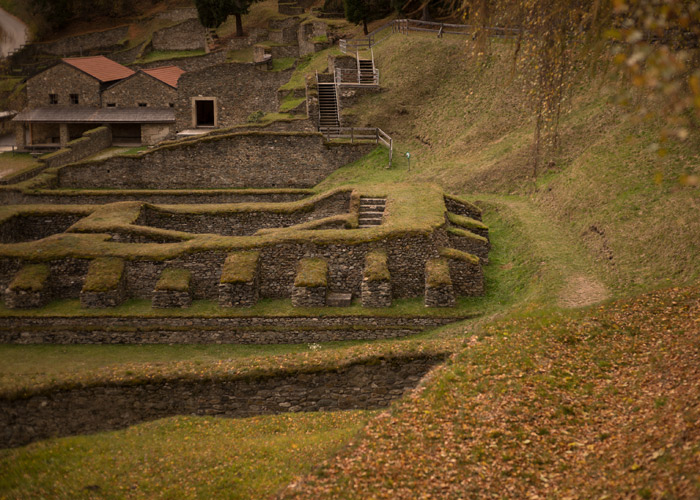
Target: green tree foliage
(56, 14)
(357, 11)
(212, 13)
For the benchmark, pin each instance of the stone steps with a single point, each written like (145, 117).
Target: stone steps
(371, 212)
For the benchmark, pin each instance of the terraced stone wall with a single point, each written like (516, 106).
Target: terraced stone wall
(198, 330)
(187, 35)
(91, 409)
(265, 160)
(34, 227)
(242, 223)
(89, 43)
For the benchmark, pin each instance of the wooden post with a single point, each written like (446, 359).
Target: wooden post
(352, 135)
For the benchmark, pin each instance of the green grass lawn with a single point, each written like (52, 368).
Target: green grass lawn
(180, 457)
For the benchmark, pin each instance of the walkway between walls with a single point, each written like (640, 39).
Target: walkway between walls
(564, 262)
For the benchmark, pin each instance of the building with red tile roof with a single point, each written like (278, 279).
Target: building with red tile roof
(103, 69)
(166, 74)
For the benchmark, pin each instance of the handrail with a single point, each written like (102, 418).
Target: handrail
(351, 78)
(405, 25)
(360, 134)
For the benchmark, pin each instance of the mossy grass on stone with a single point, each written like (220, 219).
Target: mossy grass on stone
(174, 280)
(104, 274)
(437, 273)
(329, 358)
(465, 222)
(311, 273)
(240, 267)
(411, 209)
(453, 253)
(464, 233)
(464, 202)
(376, 268)
(8, 211)
(31, 278)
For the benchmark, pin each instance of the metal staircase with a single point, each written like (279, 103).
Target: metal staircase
(328, 108)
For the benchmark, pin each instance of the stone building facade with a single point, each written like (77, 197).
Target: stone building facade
(226, 94)
(80, 94)
(140, 89)
(63, 81)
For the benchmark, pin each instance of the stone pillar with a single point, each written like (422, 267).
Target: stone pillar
(20, 136)
(64, 136)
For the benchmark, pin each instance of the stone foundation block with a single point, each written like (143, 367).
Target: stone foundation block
(376, 293)
(171, 298)
(439, 296)
(98, 300)
(24, 299)
(238, 294)
(304, 296)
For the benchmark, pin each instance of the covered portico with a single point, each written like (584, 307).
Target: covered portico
(53, 127)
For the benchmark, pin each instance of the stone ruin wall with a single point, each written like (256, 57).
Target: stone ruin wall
(193, 63)
(89, 43)
(276, 272)
(242, 223)
(187, 35)
(261, 160)
(100, 408)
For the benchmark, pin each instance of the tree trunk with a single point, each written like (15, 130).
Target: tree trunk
(364, 26)
(239, 25)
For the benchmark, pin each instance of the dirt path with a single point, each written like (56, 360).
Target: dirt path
(13, 33)
(568, 271)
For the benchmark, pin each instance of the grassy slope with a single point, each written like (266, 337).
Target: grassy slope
(543, 403)
(471, 133)
(179, 457)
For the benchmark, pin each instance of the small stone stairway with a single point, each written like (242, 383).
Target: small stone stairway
(371, 212)
(366, 67)
(328, 106)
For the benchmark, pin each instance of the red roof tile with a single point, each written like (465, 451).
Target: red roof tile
(166, 74)
(105, 70)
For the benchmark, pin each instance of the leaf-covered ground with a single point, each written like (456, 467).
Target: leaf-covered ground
(601, 403)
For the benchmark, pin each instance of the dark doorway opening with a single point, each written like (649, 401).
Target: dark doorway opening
(204, 111)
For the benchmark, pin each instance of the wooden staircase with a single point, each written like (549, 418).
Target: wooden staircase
(365, 68)
(329, 116)
(371, 212)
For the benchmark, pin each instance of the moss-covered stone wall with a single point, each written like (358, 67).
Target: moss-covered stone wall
(236, 160)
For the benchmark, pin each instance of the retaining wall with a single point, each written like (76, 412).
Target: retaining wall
(105, 41)
(192, 63)
(92, 409)
(187, 35)
(242, 223)
(265, 160)
(92, 142)
(218, 330)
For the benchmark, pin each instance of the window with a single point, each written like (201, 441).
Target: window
(53, 98)
(143, 104)
(74, 99)
(111, 105)
(172, 104)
